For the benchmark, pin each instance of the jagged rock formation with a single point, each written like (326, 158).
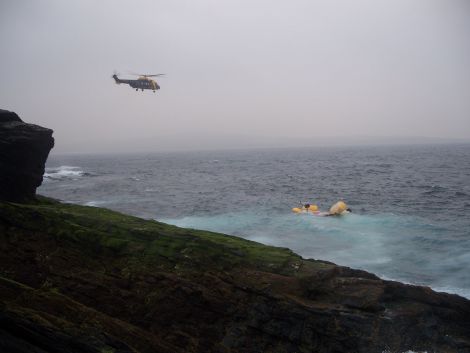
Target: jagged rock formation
(23, 152)
(83, 279)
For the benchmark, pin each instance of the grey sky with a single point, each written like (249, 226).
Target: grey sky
(239, 73)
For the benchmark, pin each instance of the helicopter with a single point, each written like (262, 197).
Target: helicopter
(142, 82)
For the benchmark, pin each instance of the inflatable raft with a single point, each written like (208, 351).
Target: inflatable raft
(337, 209)
(303, 209)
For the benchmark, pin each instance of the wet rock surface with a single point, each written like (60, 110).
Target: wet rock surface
(23, 152)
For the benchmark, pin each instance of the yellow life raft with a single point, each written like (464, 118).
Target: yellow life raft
(311, 208)
(338, 208)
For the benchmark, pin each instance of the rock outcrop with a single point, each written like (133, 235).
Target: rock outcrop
(85, 279)
(23, 152)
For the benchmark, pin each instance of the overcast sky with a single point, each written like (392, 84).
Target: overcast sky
(238, 72)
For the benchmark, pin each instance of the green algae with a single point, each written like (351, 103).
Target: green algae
(143, 242)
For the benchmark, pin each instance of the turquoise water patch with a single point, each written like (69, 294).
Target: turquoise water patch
(393, 246)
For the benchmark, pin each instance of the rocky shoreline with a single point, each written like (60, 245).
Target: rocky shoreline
(86, 279)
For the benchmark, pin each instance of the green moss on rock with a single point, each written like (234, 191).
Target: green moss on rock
(86, 279)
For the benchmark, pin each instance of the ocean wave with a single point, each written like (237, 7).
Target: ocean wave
(434, 190)
(64, 171)
(95, 203)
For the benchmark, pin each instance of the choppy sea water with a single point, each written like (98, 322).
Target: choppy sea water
(411, 204)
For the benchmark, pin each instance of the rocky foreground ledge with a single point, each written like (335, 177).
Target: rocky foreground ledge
(83, 279)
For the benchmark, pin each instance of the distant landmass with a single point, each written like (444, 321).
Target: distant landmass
(240, 141)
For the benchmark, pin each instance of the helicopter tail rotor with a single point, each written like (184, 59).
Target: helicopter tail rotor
(116, 78)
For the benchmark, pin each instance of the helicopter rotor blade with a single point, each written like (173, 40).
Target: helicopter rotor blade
(145, 75)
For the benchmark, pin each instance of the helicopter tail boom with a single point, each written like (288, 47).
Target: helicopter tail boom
(118, 81)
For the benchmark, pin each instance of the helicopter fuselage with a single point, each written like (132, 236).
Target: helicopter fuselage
(141, 83)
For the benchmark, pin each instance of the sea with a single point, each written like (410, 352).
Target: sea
(410, 217)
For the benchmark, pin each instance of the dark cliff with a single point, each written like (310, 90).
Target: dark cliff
(23, 152)
(84, 279)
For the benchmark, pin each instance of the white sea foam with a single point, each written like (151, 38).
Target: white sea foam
(63, 172)
(95, 203)
(453, 290)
